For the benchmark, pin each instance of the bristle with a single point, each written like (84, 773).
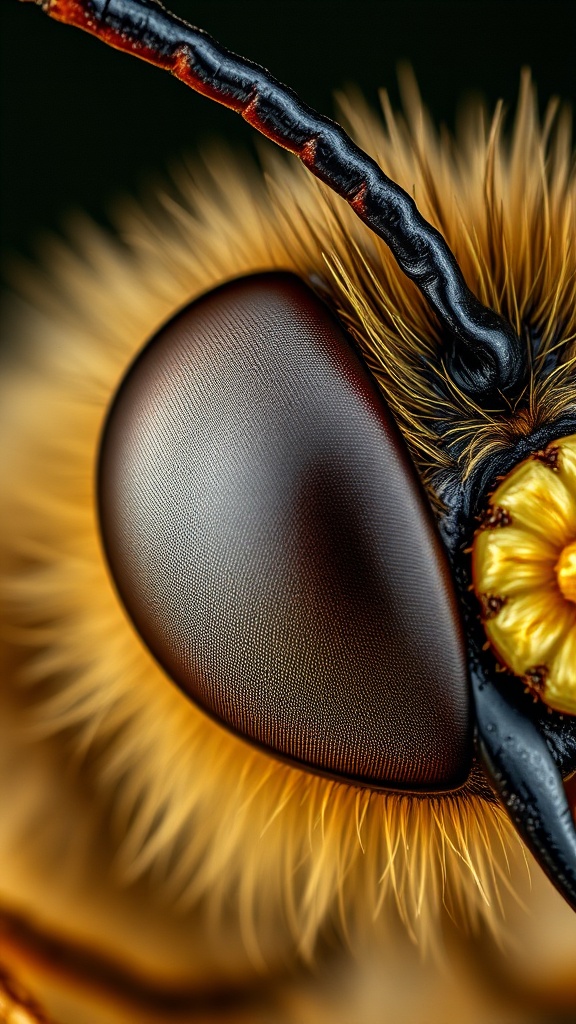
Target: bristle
(188, 803)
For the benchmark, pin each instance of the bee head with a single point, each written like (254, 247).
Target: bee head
(254, 487)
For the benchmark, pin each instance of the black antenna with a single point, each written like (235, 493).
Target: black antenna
(484, 357)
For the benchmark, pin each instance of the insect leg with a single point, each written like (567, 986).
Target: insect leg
(527, 780)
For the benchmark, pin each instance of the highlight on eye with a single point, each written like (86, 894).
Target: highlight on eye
(524, 565)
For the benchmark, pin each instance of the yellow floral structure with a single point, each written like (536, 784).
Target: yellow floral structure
(524, 570)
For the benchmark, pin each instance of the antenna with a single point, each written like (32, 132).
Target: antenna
(484, 357)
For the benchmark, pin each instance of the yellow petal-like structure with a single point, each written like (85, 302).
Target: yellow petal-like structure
(524, 571)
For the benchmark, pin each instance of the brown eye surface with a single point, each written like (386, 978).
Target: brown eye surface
(269, 537)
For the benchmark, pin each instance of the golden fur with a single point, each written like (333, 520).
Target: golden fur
(194, 811)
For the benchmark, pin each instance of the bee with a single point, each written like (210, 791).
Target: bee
(317, 481)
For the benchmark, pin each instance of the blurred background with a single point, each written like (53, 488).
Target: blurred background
(82, 125)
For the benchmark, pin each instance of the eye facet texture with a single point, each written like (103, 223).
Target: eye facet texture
(269, 537)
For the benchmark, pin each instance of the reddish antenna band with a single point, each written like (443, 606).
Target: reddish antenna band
(484, 356)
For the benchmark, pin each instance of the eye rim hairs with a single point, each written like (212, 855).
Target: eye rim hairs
(525, 747)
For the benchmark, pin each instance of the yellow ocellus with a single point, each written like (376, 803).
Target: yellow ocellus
(524, 571)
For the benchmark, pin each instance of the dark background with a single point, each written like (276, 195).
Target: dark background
(82, 124)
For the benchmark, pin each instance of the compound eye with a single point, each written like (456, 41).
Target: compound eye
(268, 535)
(524, 566)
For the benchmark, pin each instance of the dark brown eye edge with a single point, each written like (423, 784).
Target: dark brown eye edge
(327, 556)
